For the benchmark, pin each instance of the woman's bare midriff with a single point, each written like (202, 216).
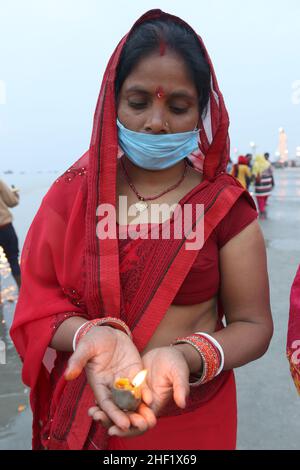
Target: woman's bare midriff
(183, 320)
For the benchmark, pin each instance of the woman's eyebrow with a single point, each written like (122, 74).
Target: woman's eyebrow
(182, 94)
(175, 94)
(137, 89)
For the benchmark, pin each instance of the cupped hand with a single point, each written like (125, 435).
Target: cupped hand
(168, 376)
(107, 354)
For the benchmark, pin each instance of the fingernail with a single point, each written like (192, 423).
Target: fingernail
(69, 374)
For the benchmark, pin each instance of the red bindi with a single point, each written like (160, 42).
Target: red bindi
(160, 92)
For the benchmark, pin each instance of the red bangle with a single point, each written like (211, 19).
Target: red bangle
(210, 357)
(106, 321)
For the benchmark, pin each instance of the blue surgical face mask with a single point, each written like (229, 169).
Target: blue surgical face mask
(156, 151)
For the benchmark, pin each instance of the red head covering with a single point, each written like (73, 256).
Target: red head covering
(242, 160)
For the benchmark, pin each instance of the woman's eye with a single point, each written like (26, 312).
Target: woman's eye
(174, 109)
(178, 110)
(137, 105)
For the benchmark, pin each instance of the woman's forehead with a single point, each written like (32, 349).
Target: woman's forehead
(167, 73)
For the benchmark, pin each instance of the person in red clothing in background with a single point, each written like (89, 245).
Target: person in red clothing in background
(97, 306)
(242, 172)
(293, 337)
(264, 183)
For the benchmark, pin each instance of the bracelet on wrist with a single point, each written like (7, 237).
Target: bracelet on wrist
(198, 380)
(211, 353)
(115, 323)
(76, 334)
(218, 346)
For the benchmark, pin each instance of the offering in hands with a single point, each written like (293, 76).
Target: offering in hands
(127, 394)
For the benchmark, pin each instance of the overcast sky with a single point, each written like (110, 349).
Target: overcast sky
(53, 54)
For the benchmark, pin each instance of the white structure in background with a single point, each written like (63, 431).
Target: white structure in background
(283, 147)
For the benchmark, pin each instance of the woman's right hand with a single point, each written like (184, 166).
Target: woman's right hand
(108, 354)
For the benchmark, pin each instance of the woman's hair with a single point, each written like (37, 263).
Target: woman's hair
(149, 37)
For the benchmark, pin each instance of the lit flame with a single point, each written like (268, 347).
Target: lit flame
(139, 378)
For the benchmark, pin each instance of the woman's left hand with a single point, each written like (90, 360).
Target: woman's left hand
(168, 377)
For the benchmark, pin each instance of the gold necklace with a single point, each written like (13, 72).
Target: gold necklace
(142, 205)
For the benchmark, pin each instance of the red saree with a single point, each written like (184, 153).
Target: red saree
(67, 270)
(293, 340)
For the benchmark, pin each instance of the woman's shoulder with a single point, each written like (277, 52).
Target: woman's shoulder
(268, 171)
(79, 168)
(69, 186)
(223, 187)
(242, 213)
(242, 209)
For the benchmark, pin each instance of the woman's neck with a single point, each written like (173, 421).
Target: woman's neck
(153, 178)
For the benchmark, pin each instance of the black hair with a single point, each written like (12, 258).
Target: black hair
(147, 37)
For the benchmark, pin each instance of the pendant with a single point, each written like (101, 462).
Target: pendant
(141, 206)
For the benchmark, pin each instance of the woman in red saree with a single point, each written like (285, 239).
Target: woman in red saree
(159, 81)
(293, 339)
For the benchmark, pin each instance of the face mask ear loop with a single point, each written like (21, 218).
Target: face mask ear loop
(119, 124)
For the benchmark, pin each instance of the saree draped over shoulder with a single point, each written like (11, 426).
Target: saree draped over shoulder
(68, 271)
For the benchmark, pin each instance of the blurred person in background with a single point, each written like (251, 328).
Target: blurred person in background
(9, 197)
(267, 157)
(242, 172)
(264, 182)
(249, 158)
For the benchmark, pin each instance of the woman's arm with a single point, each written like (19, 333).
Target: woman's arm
(63, 337)
(246, 302)
(245, 297)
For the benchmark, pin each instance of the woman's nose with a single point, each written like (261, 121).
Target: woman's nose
(156, 123)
